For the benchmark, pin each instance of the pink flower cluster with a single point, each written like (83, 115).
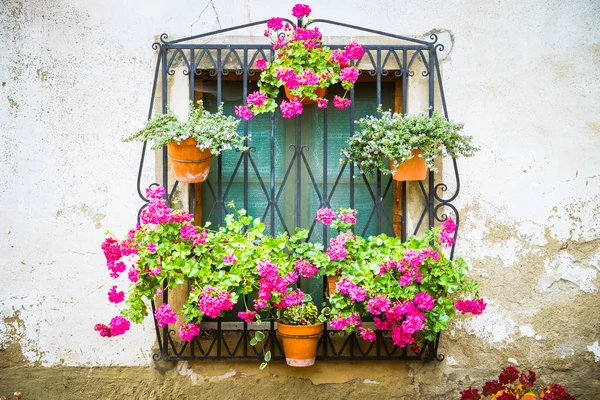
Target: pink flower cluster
(133, 274)
(352, 51)
(275, 23)
(352, 321)
(112, 253)
(271, 283)
(288, 77)
(447, 232)
(346, 286)
(290, 299)
(424, 301)
(367, 334)
(348, 216)
(301, 10)
(404, 319)
(308, 77)
(247, 316)
(325, 215)
(244, 112)
(322, 103)
(337, 246)
(117, 326)
(349, 74)
(257, 98)
(311, 36)
(341, 102)
(158, 212)
(230, 259)
(378, 304)
(261, 64)
(188, 331)
(114, 296)
(475, 307)
(409, 265)
(151, 247)
(305, 269)
(164, 315)
(188, 232)
(212, 303)
(291, 108)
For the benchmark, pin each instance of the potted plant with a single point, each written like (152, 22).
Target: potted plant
(409, 143)
(514, 385)
(192, 143)
(300, 328)
(409, 288)
(303, 66)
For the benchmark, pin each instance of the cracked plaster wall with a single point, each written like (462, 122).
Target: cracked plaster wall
(76, 77)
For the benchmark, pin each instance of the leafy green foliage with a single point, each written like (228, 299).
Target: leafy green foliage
(395, 136)
(213, 131)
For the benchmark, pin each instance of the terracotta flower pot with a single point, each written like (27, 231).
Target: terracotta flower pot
(331, 282)
(300, 343)
(190, 164)
(414, 169)
(320, 92)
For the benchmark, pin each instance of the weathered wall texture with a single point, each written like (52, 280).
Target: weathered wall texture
(75, 77)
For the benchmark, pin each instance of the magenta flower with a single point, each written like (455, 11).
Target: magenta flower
(305, 269)
(367, 334)
(230, 259)
(244, 112)
(288, 77)
(475, 307)
(275, 23)
(400, 337)
(325, 215)
(423, 301)
(188, 331)
(188, 231)
(199, 238)
(257, 98)
(378, 304)
(308, 77)
(212, 303)
(301, 10)
(354, 50)
(261, 64)
(346, 286)
(156, 192)
(114, 296)
(288, 110)
(349, 74)
(348, 216)
(341, 102)
(247, 316)
(340, 57)
(118, 326)
(151, 247)
(164, 315)
(133, 274)
(322, 103)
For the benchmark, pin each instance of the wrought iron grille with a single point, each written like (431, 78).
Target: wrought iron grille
(269, 171)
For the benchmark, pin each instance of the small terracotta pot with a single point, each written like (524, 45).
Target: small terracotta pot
(190, 164)
(320, 92)
(300, 343)
(414, 169)
(331, 282)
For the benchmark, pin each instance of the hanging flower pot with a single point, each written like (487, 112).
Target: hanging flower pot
(190, 164)
(331, 282)
(300, 343)
(320, 92)
(414, 169)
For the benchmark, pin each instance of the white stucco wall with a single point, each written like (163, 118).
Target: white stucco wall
(76, 77)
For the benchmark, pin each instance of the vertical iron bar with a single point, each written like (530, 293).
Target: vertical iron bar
(378, 203)
(165, 159)
(166, 327)
(352, 134)
(298, 170)
(245, 155)
(404, 110)
(272, 174)
(191, 186)
(325, 204)
(431, 109)
(220, 199)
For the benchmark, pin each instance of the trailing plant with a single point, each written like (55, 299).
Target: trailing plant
(514, 385)
(305, 313)
(409, 288)
(213, 131)
(395, 136)
(303, 65)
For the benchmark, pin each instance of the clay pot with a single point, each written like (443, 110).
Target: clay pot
(529, 396)
(414, 169)
(190, 164)
(331, 282)
(300, 343)
(320, 92)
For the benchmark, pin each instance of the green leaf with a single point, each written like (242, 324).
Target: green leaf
(268, 356)
(263, 366)
(253, 342)
(259, 336)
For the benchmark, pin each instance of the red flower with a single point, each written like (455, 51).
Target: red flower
(507, 396)
(557, 392)
(492, 387)
(527, 380)
(470, 394)
(509, 375)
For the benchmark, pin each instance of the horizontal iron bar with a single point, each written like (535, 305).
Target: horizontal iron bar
(280, 357)
(211, 46)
